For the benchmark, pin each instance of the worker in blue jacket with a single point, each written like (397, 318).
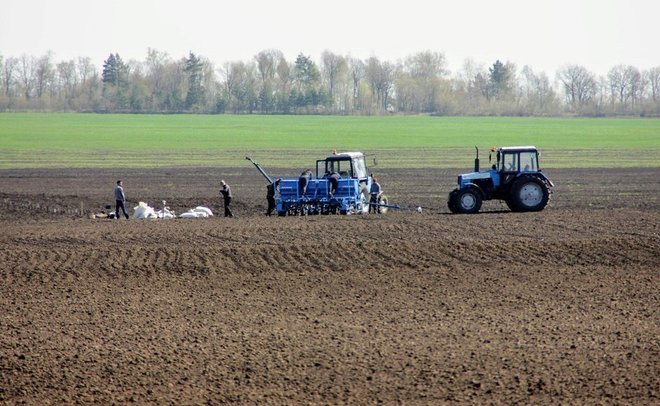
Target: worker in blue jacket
(120, 199)
(374, 193)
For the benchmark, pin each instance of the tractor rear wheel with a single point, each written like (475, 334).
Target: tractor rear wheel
(528, 194)
(467, 201)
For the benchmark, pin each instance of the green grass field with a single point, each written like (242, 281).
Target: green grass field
(97, 141)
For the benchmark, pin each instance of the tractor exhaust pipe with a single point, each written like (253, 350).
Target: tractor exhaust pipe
(476, 160)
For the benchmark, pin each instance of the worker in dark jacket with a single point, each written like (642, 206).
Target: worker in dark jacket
(270, 195)
(303, 181)
(333, 178)
(120, 198)
(374, 192)
(225, 191)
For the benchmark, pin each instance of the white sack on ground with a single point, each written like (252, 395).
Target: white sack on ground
(203, 209)
(144, 211)
(197, 212)
(166, 213)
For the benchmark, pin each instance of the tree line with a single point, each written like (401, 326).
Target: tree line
(336, 84)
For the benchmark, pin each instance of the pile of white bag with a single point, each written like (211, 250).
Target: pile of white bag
(144, 211)
(197, 212)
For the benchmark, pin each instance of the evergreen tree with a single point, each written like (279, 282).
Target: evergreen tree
(306, 72)
(500, 76)
(115, 72)
(115, 83)
(194, 69)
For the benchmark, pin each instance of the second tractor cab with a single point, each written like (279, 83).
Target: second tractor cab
(349, 165)
(515, 177)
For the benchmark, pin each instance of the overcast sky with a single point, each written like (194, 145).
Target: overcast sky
(545, 35)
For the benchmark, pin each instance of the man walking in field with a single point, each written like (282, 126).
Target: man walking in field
(120, 198)
(225, 191)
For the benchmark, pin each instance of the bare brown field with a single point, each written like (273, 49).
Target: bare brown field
(556, 307)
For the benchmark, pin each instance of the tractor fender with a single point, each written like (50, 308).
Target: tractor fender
(541, 176)
(474, 186)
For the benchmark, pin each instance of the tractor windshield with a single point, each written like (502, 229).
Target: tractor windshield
(510, 163)
(360, 168)
(528, 161)
(523, 161)
(346, 166)
(342, 167)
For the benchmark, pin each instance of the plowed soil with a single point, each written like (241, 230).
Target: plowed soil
(559, 307)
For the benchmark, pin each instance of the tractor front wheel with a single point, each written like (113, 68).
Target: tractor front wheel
(451, 201)
(528, 194)
(465, 201)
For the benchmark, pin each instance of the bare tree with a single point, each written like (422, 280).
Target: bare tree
(26, 74)
(536, 91)
(44, 73)
(67, 80)
(267, 62)
(240, 86)
(428, 65)
(419, 81)
(618, 84)
(334, 68)
(157, 65)
(653, 78)
(579, 84)
(357, 72)
(380, 76)
(85, 70)
(9, 76)
(208, 83)
(283, 85)
(625, 84)
(636, 84)
(90, 85)
(467, 88)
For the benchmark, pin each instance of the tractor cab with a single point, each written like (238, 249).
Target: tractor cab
(517, 159)
(512, 161)
(349, 165)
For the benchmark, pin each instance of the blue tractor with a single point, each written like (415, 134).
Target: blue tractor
(340, 185)
(514, 177)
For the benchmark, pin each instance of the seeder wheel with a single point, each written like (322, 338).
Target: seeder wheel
(382, 200)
